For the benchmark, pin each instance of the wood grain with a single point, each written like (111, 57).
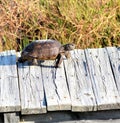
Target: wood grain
(88, 81)
(11, 118)
(31, 89)
(103, 82)
(114, 55)
(55, 85)
(9, 90)
(79, 82)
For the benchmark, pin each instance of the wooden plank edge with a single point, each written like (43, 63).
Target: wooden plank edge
(62, 107)
(84, 108)
(10, 108)
(34, 111)
(109, 106)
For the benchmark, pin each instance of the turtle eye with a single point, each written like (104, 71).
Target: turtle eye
(72, 44)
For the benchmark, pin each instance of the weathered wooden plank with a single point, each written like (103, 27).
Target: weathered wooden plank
(11, 118)
(9, 90)
(55, 85)
(102, 79)
(114, 55)
(31, 89)
(79, 82)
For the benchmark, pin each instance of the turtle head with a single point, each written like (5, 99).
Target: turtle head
(68, 47)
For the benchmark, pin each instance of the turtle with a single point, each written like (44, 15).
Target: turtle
(46, 50)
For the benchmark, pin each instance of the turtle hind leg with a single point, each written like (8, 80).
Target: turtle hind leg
(59, 61)
(21, 60)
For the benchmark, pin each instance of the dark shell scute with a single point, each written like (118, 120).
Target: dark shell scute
(42, 49)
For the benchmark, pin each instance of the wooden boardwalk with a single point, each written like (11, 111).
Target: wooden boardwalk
(88, 81)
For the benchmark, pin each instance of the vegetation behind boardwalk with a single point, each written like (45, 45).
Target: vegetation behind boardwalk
(87, 23)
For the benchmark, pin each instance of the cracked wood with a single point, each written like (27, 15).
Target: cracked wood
(79, 82)
(114, 55)
(56, 90)
(88, 81)
(102, 78)
(31, 89)
(9, 90)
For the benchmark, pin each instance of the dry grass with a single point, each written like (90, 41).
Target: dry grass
(87, 23)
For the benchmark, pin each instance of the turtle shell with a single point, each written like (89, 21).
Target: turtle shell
(42, 50)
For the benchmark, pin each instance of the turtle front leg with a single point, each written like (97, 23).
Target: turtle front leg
(34, 62)
(67, 54)
(59, 61)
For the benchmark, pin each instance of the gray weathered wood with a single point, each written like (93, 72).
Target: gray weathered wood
(104, 86)
(79, 82)
(31, 89)
(114, 55)
(9, 90)
(11, 118)
(85, 82)
(55, 85)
